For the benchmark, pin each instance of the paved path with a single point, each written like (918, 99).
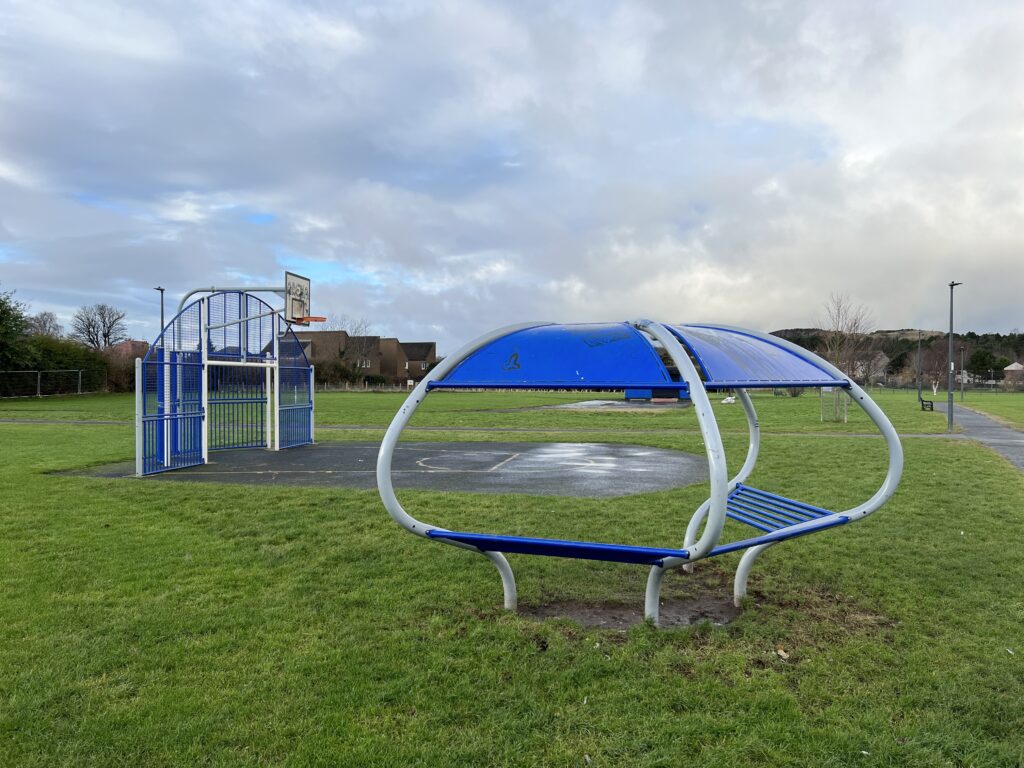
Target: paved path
(1006, 441)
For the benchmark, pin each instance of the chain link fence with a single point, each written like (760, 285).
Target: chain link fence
(78, 381)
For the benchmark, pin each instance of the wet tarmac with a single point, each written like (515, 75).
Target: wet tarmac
(596, 470)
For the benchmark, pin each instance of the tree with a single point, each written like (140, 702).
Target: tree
(845, 338)
(15, 352)
(99, 326)
(359, 345)
(45, 324)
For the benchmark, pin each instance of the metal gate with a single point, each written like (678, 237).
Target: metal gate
(169, 397)
(294, 393)
(227, 372)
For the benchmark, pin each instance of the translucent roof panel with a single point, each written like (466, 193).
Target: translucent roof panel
(587, 356)
(731, 358)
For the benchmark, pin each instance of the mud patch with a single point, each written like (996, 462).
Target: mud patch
(675, 612)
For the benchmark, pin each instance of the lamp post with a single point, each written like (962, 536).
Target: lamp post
(991, 381)
(919, 366)
(961, 374)
(158, 288)
(949, 359)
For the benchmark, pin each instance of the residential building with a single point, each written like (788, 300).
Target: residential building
(338, 355)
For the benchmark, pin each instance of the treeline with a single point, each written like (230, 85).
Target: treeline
(38, 343)
(985, 355)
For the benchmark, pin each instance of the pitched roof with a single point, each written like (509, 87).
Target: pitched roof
(419, 350)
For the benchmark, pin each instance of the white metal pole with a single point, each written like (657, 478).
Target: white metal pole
(277, 387)
(204, 339)
(139, 407)
(270, 415)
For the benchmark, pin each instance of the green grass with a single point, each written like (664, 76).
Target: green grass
(1007, 407)
(143, 623)
(496, 410)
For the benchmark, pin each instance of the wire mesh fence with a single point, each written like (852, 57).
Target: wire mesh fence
(77, 381)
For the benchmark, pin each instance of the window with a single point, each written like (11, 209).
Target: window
(365, 363)
(407, 365)
(423, 365)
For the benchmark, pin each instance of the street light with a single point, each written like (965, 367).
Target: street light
(949, 359)
(961, 374)
(919, 366)
(158, 288)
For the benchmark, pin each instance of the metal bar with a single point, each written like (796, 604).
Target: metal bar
(760, 525)
(39, 383)
(80, 381)
(752, 503)
(274, 289)
(204, 381)
(312, 404)
(238, 363)
(242, 320)
(277, 390)
(139, 426)
(819, 511)
(769, 516)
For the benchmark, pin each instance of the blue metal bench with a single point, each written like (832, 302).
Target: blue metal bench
(625, 356)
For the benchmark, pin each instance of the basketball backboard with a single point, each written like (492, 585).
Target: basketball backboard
(296, 299)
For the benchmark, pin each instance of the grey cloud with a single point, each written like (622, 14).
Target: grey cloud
(468, 164)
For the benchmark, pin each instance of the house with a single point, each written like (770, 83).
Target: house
(1013, 376)
(420, 356)
(339, 354)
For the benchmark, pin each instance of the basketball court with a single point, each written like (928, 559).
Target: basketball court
(594, 470)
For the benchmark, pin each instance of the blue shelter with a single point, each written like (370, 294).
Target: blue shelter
(691, 359)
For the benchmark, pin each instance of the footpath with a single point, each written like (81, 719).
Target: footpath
(1006, 441)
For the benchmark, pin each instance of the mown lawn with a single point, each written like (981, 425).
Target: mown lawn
(1007, 407)
(144, 623)
(496, 410)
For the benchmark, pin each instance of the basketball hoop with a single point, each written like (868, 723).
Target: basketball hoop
(308, 319)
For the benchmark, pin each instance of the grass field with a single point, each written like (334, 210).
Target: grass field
(1007, 407)
(144, 623)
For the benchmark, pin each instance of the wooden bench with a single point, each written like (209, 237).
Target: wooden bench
(927, 405)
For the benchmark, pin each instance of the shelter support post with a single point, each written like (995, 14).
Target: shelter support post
(739, 589)
(652, 597)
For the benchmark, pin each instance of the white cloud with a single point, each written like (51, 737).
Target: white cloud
(449, 166)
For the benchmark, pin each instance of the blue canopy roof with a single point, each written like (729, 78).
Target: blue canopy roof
(730, 358)
(617, 356)
(588, 356)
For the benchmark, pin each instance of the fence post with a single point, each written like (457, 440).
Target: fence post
(79, 381)
(39, 383)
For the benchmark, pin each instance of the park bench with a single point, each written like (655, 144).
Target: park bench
(621, 356)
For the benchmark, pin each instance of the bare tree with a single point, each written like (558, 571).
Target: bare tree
(99, 326)
(845, 338)
(360, 345)
(45, 324)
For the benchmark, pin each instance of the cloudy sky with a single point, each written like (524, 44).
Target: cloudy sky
(441, 168)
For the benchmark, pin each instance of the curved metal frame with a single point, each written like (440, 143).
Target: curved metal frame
(711, 514)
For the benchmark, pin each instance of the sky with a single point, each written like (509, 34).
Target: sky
(444, 168)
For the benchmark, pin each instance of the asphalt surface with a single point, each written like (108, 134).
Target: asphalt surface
(544, 469)
(1006, 441)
